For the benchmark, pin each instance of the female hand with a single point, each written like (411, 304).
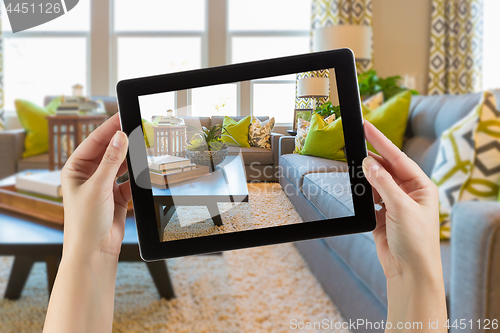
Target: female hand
(95, 206)
(407, 234)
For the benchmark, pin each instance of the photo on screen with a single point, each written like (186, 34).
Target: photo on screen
(209, 149)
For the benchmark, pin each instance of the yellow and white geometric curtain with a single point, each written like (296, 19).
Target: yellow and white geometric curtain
(455, 62)
(333, 12)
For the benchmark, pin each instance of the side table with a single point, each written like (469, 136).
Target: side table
(66, 132)
(291, 132)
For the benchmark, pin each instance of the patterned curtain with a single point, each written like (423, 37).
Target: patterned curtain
(455, 62)
(332, 12)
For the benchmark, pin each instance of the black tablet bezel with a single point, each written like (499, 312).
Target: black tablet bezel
(342, 60)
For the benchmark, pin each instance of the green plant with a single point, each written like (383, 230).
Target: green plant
(370, 84)
(328, 109)
(207, 139)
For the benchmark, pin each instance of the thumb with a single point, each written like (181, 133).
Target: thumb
(112, 160)
(383, 182)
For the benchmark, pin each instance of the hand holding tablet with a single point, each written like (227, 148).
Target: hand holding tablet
(191, 174)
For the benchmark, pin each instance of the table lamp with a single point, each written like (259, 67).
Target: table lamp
(313, 87)
(356, 37)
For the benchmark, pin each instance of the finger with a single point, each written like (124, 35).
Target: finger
(399, 163)
(122, 170)
(94, 146)
(383, 182)
(386, 166)
(112, 159)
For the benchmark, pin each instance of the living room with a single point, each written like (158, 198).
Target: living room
(422, 67)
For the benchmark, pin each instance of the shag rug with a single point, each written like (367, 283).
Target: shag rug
(267, 206)
(251, 290)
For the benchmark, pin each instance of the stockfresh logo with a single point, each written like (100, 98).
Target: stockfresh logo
(25, 14)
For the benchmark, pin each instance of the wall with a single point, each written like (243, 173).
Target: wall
(401, 37)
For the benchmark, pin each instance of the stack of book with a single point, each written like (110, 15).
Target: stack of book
(42, 184)
(167, 170)
(72, 105)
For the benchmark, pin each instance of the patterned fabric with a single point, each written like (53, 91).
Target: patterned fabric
(332, 12)
(303, 129)
(456, 47)
(453, 165)
(2, 119)
(259, 134)
(375, 101)
(307, 103)
(483, 183)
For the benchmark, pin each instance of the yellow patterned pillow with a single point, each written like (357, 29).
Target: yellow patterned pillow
(303, 129)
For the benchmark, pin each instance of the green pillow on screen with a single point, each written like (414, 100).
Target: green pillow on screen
(390, 118)
(324, 139)
(236, 133)
(147, 127)
(33, 119)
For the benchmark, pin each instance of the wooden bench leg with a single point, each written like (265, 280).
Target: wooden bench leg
(18, 276)
(52, 267)
(161, 278)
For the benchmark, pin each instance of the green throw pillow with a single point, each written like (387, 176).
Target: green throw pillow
(324, 139)
(33, 119)
(147, 127)
(236, 133)
(390, 118)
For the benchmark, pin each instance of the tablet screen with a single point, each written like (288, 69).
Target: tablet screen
(213, 150)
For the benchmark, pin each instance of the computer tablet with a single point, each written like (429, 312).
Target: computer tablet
(208, 176)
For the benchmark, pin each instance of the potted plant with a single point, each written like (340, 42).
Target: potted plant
(370, 84)
(327, 109)
(206, 147)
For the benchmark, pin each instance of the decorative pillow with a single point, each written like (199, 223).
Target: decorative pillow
(390, 118)
(375, 101)
(236, 133)
(33, 119)
(259, 134)
(302, 129)
(148, 130)
(484, 179)
(324, 139)
(453, 165)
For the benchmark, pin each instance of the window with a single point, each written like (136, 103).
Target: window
(164, 40)
(282, 29)
(48, 59)
(491, 47)
(100, 42)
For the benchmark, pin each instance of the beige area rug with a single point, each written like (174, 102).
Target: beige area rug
(268, 206)
(251, 290)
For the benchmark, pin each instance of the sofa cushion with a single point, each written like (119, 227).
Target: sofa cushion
(34, 162)
(360, 254)
(330, 192)
(253, 154)
(296, 166)
(218, 120)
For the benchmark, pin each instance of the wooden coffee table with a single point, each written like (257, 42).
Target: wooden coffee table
(226, 184)
(32, 240)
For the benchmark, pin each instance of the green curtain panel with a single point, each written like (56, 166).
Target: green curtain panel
(332, 12)
(455, 62)
(2, 119)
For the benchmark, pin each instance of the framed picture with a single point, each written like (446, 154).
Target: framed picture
(301, 113)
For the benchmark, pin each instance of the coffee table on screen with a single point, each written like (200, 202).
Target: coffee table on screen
(31, 240)
(226, 184)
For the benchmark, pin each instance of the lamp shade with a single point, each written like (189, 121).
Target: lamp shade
(356, 37)
(313, 87)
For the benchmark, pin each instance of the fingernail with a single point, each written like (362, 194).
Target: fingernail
(119, 139)
(371, 164)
